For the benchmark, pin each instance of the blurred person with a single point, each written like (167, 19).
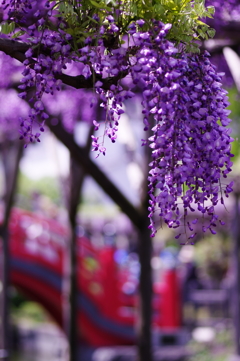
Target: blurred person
(189, 273)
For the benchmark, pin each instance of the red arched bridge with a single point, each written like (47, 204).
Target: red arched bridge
(37, 249)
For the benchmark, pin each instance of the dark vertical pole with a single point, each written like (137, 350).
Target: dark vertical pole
(76, 180)
(77, 176)
(145, 291)
(133, 213)
(11, 154)
(236, 268)
(4, 266)
(145, 281)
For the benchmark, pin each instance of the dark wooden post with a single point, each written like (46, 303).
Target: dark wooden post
(75, 185)
(145, 292)
(145, 281)
(11, 155)
(77, 176)
(138, 217)
(236, 269)
(4, 266)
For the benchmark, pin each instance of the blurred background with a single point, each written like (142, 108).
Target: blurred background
(194, 286)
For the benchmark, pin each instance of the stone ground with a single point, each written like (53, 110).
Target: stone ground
(206, 343)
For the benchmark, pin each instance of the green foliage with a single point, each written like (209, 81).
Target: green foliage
(31, 312)
(219, 349)
(234, 103)
(184, 15)
(18, 34)
(235, 149)
(7, 28)
(46, 186)
(235, 116)
(11, 28)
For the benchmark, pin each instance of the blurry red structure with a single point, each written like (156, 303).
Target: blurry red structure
(106, 314)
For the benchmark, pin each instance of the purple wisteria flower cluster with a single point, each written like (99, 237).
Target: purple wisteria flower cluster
(104, 62)
(191, 146)
(191, 150)
(45, 60)
(183, 102)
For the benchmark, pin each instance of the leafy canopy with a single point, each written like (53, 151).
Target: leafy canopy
(83, 19)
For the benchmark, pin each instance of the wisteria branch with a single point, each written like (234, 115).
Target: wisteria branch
(13, 48)
(17, 50)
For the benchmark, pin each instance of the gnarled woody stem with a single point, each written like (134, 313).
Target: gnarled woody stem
(16, 49)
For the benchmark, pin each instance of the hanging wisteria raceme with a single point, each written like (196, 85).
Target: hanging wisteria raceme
(106, 62)
(190, 143)
(48, 56)
(183, 104)
(43, 77)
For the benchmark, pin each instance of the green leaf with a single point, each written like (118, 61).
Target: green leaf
(113, 2)
(100, 6)
(7, 28)
(211, 10)
(211, 33)
(235, 148)
(201, 23)
(18, 34)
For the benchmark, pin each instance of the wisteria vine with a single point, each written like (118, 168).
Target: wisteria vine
(190, 144)
(184, 106)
